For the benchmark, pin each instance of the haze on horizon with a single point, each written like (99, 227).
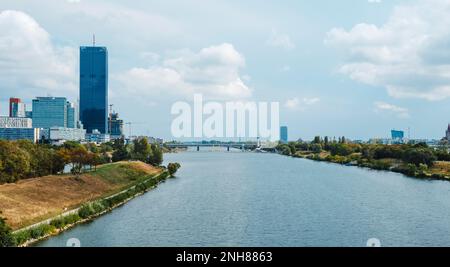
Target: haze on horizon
(354, 68)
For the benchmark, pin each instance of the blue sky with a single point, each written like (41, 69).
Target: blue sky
(356, 68)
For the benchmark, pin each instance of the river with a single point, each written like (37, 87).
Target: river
(249, 199)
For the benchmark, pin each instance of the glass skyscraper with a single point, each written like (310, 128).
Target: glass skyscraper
(284, 134)
(94, 88)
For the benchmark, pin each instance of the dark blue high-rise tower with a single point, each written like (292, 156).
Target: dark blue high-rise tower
(94, 88)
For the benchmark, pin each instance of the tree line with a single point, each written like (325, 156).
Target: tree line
(24, 159)
(140, 149)
(416, 154)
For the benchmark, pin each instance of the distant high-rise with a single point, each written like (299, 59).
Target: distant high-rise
(16, 108)
(447, 133)
(94, 88)
(397, 135)
(115, 126)
(71, 116)
(284, 134)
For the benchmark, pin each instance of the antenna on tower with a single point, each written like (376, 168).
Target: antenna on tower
(93, 39)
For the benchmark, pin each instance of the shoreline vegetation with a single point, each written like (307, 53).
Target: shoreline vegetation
(119, 183)
(412, 160)
(102, 177)
(86, 213)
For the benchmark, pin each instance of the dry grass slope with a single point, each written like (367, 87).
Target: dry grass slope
(34, 200)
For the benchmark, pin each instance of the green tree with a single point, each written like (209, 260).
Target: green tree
(419, 156)
(6, 237)
(173, 168)
(157, 155)
(317, 140)
(142, 150)
(78, 159)
(120, 151)
(326, 143)
(96, 160)
(15, 162)
(316, 148)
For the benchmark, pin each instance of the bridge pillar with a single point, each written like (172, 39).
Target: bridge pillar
(198, 148)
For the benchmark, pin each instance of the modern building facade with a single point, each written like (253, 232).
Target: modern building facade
(57, 134)
(50, 112)
(97, 137)
(17, 109)
(71, 116)
(284, 134)
(12, 134)
(9, 122)
(447, 133)
(115, 126)
(397, 135)
(94, 88)
(29, 114)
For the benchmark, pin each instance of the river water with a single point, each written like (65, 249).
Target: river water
(249, 199)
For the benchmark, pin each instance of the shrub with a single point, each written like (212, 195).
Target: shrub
(6, 237)
(86, 211)
(22, 237)
(173, 168)
(41, 231)
(58, 223)
(71, 219)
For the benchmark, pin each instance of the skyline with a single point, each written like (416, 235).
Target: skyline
(321, 69)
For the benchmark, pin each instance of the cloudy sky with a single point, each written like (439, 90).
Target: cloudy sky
(351, 67)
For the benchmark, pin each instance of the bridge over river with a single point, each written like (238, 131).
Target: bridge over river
(228, 145)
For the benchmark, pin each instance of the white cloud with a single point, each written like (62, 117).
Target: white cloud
(409, 55)
(213, 71)
(300, 104)
(280, 40)
(374, 1)
(30, 65)
(392, 109)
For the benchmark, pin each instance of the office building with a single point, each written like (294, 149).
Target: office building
(115, 126)
(17, 109)
(60, 134)
(9, 122)
(71, 116)
(284, 134)
(94, 88)
(447, 133)
(50, 112)
(13, 134)
(97, 137)
(397, 135)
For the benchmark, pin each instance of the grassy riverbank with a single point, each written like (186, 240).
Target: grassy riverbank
(414, 160)
(35, 200)
(439, 170)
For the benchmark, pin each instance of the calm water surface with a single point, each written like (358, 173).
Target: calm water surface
(249, 199)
